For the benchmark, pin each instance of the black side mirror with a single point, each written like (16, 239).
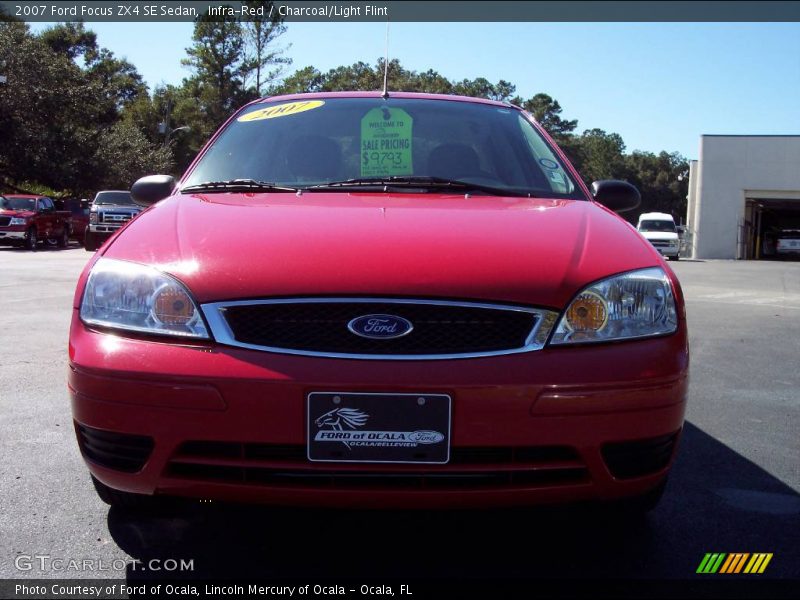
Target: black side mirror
(152, 188)
(619, 196)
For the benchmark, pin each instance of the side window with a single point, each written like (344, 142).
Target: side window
(46, 204)
(548, 163)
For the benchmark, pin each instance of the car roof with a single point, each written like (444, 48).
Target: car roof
(114, 191)
(31, 196)
(656, 216)
(379, 94)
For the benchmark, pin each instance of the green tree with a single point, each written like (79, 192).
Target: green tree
(263, 59)
(56, 123)
(432, 82)
(547, 112)
(302, 81)
(119, 81)
(362, 76)
(662, 179)
(70, 39)
(358, 76)
(118, 78)
(600, 155)
(126, 155)
(217, 60)
(483, 88)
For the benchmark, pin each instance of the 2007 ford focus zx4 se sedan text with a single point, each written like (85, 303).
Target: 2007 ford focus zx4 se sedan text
(379, 300)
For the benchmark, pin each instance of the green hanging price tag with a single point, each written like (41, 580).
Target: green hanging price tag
(386, 143)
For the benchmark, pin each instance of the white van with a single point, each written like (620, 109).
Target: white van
(659, 229)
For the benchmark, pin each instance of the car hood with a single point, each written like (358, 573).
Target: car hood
(517, 250)
(659, 235)
(25, 214)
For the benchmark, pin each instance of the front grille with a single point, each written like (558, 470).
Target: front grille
(626, 460)
(118, 451)
(5, 221)
(286, 466)
(115, 217)
(321, 327)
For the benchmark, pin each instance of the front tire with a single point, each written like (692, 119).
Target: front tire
(63, 241)
(90, 242)
(31, 239)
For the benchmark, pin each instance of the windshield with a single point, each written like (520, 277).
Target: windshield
(661, 226)
(113, 198)
(17, 203)
(316, 142)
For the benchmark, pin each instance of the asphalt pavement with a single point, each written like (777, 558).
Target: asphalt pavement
(735, 486)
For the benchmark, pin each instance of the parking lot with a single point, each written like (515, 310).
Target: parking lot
(735, 487)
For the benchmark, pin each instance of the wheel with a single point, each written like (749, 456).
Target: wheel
(31, 239)
(63, 241)
(676, 257)
(90, 242)
(128, 501)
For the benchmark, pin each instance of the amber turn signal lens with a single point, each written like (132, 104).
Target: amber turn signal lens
(173, 306)
(588, 312)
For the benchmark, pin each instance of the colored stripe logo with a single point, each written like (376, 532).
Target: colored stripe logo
(733, 563)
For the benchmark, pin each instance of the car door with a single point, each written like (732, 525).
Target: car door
(59, 220)
(44, 221)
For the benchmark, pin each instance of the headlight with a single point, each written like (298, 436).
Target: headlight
(18, 221)
(125, 295)
(633, 305)
(93, 217)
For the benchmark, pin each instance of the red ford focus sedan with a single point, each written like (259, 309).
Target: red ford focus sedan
(401, 300)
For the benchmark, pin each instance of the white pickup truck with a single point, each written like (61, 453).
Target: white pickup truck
(111, 209)
(788, 242)
(659, 229)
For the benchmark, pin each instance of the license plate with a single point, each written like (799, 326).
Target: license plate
(378, 428)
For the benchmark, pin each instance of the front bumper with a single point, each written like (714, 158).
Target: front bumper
(229, 424)
(104, 229)
(671, 251)
(15, 233)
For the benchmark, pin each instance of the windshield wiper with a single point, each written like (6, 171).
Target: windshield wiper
(236, 185)
(416, 181)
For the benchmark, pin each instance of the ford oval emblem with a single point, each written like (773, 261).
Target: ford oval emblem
(426, 437)
(380, 327)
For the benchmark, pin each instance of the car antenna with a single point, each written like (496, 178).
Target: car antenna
(385, 93)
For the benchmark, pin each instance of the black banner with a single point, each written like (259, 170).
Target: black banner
(412, 589)
(411, 11)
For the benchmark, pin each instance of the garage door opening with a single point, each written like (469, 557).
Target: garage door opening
(770, 229)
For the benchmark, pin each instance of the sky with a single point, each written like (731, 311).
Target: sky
(659, 85)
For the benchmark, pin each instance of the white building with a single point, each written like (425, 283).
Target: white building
(742, 190)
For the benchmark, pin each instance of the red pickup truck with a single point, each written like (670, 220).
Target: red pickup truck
(79, 210)
(28, 219)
